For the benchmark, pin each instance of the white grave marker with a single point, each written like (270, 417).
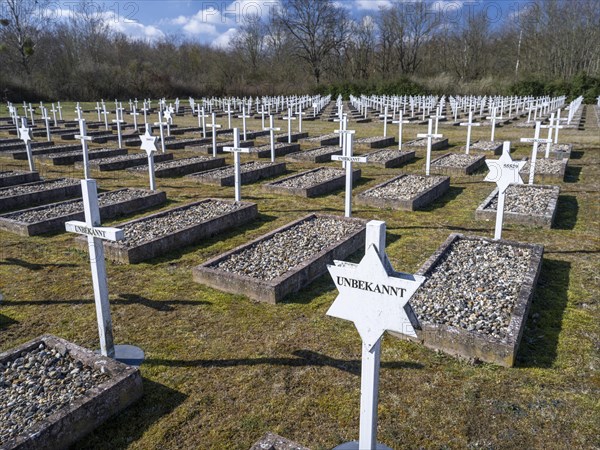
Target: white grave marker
(289, 119)
(430, 136)
(272, 130)
(95, 235)
(46, 119)
(347, 158)
(214, 127)
(236, 150)
(161, 124)
(244, 116)
(469, 124)
(25, 136)
(536, 140)
(82, 136)
(400, 122)
(375, 298)
(149, 146)
(503, 172)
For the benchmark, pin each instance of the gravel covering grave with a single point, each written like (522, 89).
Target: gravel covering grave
(474, 287)
(53, 393)
(405, 188)
(146, 230)
(13, 177)
(488, 146)
(74, 206)
(311, 178)
(285, 260)
(389, 158)
(171, 164)
(406, 192)
(524, 199)
(270, 258)
(546, 166)
(436, 144)
(315, 155)
(457, 164)
(476, 297)
(230, 170)
(37, 384)
(37, 187)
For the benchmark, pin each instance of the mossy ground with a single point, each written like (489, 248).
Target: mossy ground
(222, 370)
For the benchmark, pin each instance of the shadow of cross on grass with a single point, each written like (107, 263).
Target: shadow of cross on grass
(124, 299)
(303, 358)
(32, 266)
(543, 325)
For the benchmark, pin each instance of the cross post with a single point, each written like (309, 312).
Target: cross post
(25, 135)
(82, 136)
(272, 129)
(236, 150)
(161, 124)
(430, 136)
(469, 124)
(536, 142)
(289, 119)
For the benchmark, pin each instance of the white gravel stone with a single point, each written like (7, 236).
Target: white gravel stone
(524, 199)
(25, 189)
(404, 188)
(311, 178)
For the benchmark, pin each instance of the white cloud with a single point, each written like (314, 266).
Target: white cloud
(224, 39)
(372, 4)
(135, 30)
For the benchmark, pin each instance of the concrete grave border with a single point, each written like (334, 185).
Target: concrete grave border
(315, 190)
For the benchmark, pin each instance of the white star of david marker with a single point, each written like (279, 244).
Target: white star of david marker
(25, 134)
(373, 297)
(167, 114)
(504, 171)
(148, 143)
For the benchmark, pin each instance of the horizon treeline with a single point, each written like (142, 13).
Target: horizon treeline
(309, 46)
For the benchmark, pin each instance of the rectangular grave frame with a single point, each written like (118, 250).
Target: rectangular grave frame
(315, 190)
(545, 220)
(324, 140)
(495, 151)
(439, 145)
(183, 237)
(124, 164)
(473, 345)
(457, 171)
(283, 137)
(56, 159)
(41, 197)
(282, 150)
(69, 424)
(423, 199)
(292, 281)
(249, 177)
(19, 177)
(180, 171)
(107, 212)
(302, 156)
(548, 177)
(403, 157)
(381, 142)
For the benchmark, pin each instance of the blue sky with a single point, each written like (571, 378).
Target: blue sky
(215, 21)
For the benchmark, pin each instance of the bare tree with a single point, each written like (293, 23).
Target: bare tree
(317, 27)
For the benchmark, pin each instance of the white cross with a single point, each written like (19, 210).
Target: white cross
(145, 110)
(536, 142)
(557, 126)
(98, 109)
(169, 118)
(300, 114)
(161, 124)
(347, 158)
(262, 113)
(105, 113)
(272, 131)
(134, 113)
(119, 135)
(82, 136)
(236, 150)
(400, 122)
(289, 119)
(47, 122)
(385, 118)
(469, 124)
(229, 111)
(244, 116)
(31, 111)
(95, 235)
(550, 127)
(493, 118)
(430, 136)
(503, 172)
(149, 146)
(437, 117)
(376, 298)
(25, 135)
(214, 127)
(202, 120)
(78, 110)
